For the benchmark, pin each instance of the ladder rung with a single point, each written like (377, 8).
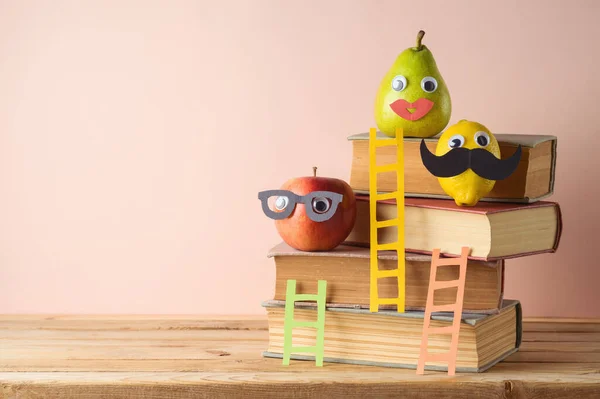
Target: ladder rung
(440, 330)
(311, 349)
(305, 297)
(385, 142)
(386, 168)
(387, 223)
(311, 324)
(437, 357)
(448, 262)
(387, 301)
(386, 196)
(438, 285)
(387, 273)
(443, 308)
(392, 246)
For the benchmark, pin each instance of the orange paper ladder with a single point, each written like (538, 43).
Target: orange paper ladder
(398, 222)
(456, 308)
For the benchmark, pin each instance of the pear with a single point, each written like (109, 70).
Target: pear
(413, 95)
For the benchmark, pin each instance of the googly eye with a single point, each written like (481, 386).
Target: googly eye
(399, 83)
(429, 84)
(281, 203)
(321, 205)
(456, 141)
(482, 139)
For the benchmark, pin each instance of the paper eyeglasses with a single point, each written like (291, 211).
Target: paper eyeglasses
(320, 205)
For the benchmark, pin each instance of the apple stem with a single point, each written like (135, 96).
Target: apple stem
(419, 39)
(314, 171)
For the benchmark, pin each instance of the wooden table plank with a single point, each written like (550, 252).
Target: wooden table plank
(60, 356)
(291, 384)
(552, 336)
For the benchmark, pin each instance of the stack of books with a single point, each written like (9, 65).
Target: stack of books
(511, 222)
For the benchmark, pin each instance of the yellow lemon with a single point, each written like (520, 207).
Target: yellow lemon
(467, 188)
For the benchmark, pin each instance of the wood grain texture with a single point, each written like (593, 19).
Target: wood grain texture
(220, 357)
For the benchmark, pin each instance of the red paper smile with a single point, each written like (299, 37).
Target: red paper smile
(421, 107)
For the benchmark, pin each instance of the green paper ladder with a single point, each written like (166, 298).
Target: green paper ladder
(290, 298)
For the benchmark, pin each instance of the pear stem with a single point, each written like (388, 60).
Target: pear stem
(419, 39)
(314, 171)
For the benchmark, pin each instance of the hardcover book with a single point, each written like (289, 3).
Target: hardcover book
(492, 230)
(533, 180)
(347, 272)
(393, 339)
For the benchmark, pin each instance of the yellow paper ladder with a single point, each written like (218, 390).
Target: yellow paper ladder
(454, 329)
(289, 324)
(398, 222)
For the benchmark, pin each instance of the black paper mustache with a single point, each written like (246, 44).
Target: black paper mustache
(480, 161)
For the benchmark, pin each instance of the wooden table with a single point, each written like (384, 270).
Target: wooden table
(220, 357)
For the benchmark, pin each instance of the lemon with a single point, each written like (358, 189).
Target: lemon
(467, 188)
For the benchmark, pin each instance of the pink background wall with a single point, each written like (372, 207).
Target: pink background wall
(134, 136)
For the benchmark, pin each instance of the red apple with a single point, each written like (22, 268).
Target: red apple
(302, 233)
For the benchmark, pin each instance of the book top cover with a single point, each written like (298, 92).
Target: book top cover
(350, 251)
(525, 140)
(467, 318)
(482, 208)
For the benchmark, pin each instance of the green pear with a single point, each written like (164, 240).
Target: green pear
(413, 95)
